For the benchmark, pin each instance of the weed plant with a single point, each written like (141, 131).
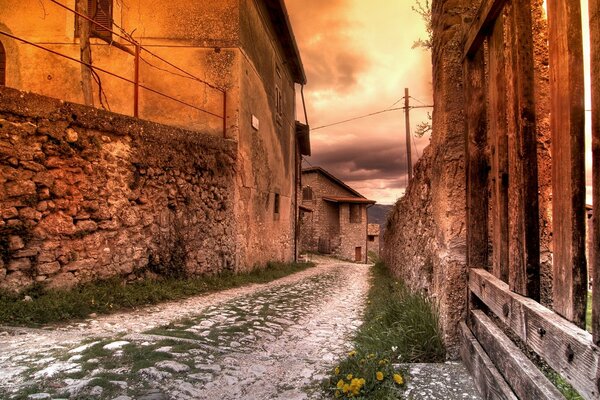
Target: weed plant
(112, 295)
(399, 327)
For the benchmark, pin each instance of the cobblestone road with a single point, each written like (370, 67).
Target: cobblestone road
(271, 341)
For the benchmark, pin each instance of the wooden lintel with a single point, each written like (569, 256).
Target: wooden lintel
(522, 375)
(481, 25)
(565, 347)
(489, 382)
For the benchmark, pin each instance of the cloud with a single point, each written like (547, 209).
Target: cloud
(324, 33)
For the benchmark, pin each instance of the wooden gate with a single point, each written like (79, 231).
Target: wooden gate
(505, 289)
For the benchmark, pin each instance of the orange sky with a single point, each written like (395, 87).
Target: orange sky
(358, 59)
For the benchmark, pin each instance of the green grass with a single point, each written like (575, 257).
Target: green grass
(399, 326)
(108, 296)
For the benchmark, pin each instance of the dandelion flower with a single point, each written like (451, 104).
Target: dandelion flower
(337, 393)
(349, 377)
(379, 375)
(352, 353)
(337, 370)
(398, 379)
(340, 384)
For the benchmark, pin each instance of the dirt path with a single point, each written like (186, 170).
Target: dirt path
(269, 341)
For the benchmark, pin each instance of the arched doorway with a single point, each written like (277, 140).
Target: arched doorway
(2, 65)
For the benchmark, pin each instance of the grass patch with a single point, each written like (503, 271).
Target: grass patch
(399, 326)
(108, 296)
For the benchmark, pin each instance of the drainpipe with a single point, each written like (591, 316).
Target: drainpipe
(298, 178)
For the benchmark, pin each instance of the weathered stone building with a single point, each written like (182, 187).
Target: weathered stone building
(243, 47)
(373, 240)
(334, 217)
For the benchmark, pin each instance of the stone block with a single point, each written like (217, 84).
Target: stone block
(43, 178)
(57, 224)
(30, 213)
(86, 226)
(46, 256)
(71, 136)
(81, 265)
(20, 188)
(19, 264)
(32, 252)
(32, 166)
(15, 281)
(48, 268)
(64, 280)
(15, 243)
(10, 212)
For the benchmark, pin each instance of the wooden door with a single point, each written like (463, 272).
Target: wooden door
(358, 254)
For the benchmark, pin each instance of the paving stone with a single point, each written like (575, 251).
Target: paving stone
(173, 366)
(39, 396)
(115, 345)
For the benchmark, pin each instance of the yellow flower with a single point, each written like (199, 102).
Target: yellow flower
(382, 362)
(346, 388)
(398, 379)
(379, 375)
(349, 377)
(352, 353)
(340, 384)
(337, 393)
(337, 370)
(371, 355)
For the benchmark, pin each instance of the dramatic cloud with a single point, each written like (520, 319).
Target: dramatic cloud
(358, 59)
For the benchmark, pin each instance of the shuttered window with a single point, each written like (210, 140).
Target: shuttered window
(2, 65)
(101, 12)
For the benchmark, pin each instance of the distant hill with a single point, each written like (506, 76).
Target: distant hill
(378, 214)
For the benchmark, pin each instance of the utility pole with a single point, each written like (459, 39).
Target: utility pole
(407, 120)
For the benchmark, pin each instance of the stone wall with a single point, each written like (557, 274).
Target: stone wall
(353, 235)
(87, 194)
(425, 238)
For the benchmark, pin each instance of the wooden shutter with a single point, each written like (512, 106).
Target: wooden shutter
(101, 12)
(2, 65)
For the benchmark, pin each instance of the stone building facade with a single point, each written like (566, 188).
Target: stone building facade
(334, 217)
(373, 240)
(245, 47)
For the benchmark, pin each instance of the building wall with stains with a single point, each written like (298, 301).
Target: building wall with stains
(227, 43)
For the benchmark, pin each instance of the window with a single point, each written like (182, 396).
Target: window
(276, 204)
(2, 65)
(100, 11)
(371, 238)
(355, 214)
(307, 193)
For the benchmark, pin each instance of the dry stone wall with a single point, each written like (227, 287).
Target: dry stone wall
(87, 194)
(427, 244)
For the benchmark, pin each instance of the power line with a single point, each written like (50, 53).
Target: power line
(356, 118)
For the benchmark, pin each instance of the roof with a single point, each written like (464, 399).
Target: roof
(336, 181)
(283, 28)
(353, 200)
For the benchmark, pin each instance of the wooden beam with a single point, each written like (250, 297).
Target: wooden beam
(594, 9)
(489, 382)
(522, 375)
(524, 244)
(499, 140)
(565, 347)
(476, 160)
(483, 22)
(568, 160)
